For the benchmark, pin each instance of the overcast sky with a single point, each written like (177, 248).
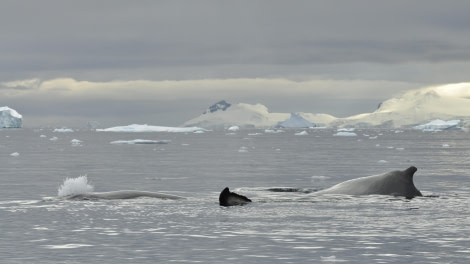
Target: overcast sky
(164, 62)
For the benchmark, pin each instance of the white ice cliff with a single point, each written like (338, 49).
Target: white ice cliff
(9, 118)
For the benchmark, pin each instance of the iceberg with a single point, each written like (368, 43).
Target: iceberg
(438, 125)
(345, 132)
(9, 118)
(63, 130)
(295, 121)
(147, 128)
(140, 141)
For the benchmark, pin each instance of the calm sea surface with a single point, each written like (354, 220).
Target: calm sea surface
(278, 227)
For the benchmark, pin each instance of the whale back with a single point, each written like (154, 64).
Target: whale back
(228, 198)
(398, 183)
(125, 194)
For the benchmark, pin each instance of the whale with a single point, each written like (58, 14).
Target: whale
(228, 198)
(396, 183)
(124, 194)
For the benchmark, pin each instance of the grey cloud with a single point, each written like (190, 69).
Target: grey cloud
(51, 35)
(416, 42)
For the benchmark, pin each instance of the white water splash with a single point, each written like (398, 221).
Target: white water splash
(74, 186)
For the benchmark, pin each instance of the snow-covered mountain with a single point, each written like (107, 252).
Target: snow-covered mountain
(222, 115)
(9, 118)
(415, 107)
(446, 102)
(242, 115)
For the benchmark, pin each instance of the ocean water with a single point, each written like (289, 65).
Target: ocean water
(283, 225)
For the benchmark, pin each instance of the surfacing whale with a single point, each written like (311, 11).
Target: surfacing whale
(126, 194)
(228, 198)
(397, 183)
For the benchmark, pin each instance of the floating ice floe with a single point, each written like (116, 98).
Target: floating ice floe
(15, 154)
(54, 138)
(303, 133)
(345, 134)
(348, 129)
(438, 125)
(63, 130)
(273, 131)
(147, 128)
(141, 141)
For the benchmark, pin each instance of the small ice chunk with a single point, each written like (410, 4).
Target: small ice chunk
(243, 149)
(76, 142)
(273, 131)
(15, 154)
(303, 133)
(328, 259)
(233, 128)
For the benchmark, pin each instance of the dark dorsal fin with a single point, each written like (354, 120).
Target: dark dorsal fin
(228, 198)
(409, 175)
(410, 172)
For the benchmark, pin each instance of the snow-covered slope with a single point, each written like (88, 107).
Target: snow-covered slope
(9, 118)
(242, 115)
(415, 107)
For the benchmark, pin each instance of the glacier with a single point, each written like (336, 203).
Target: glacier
(10, 118)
